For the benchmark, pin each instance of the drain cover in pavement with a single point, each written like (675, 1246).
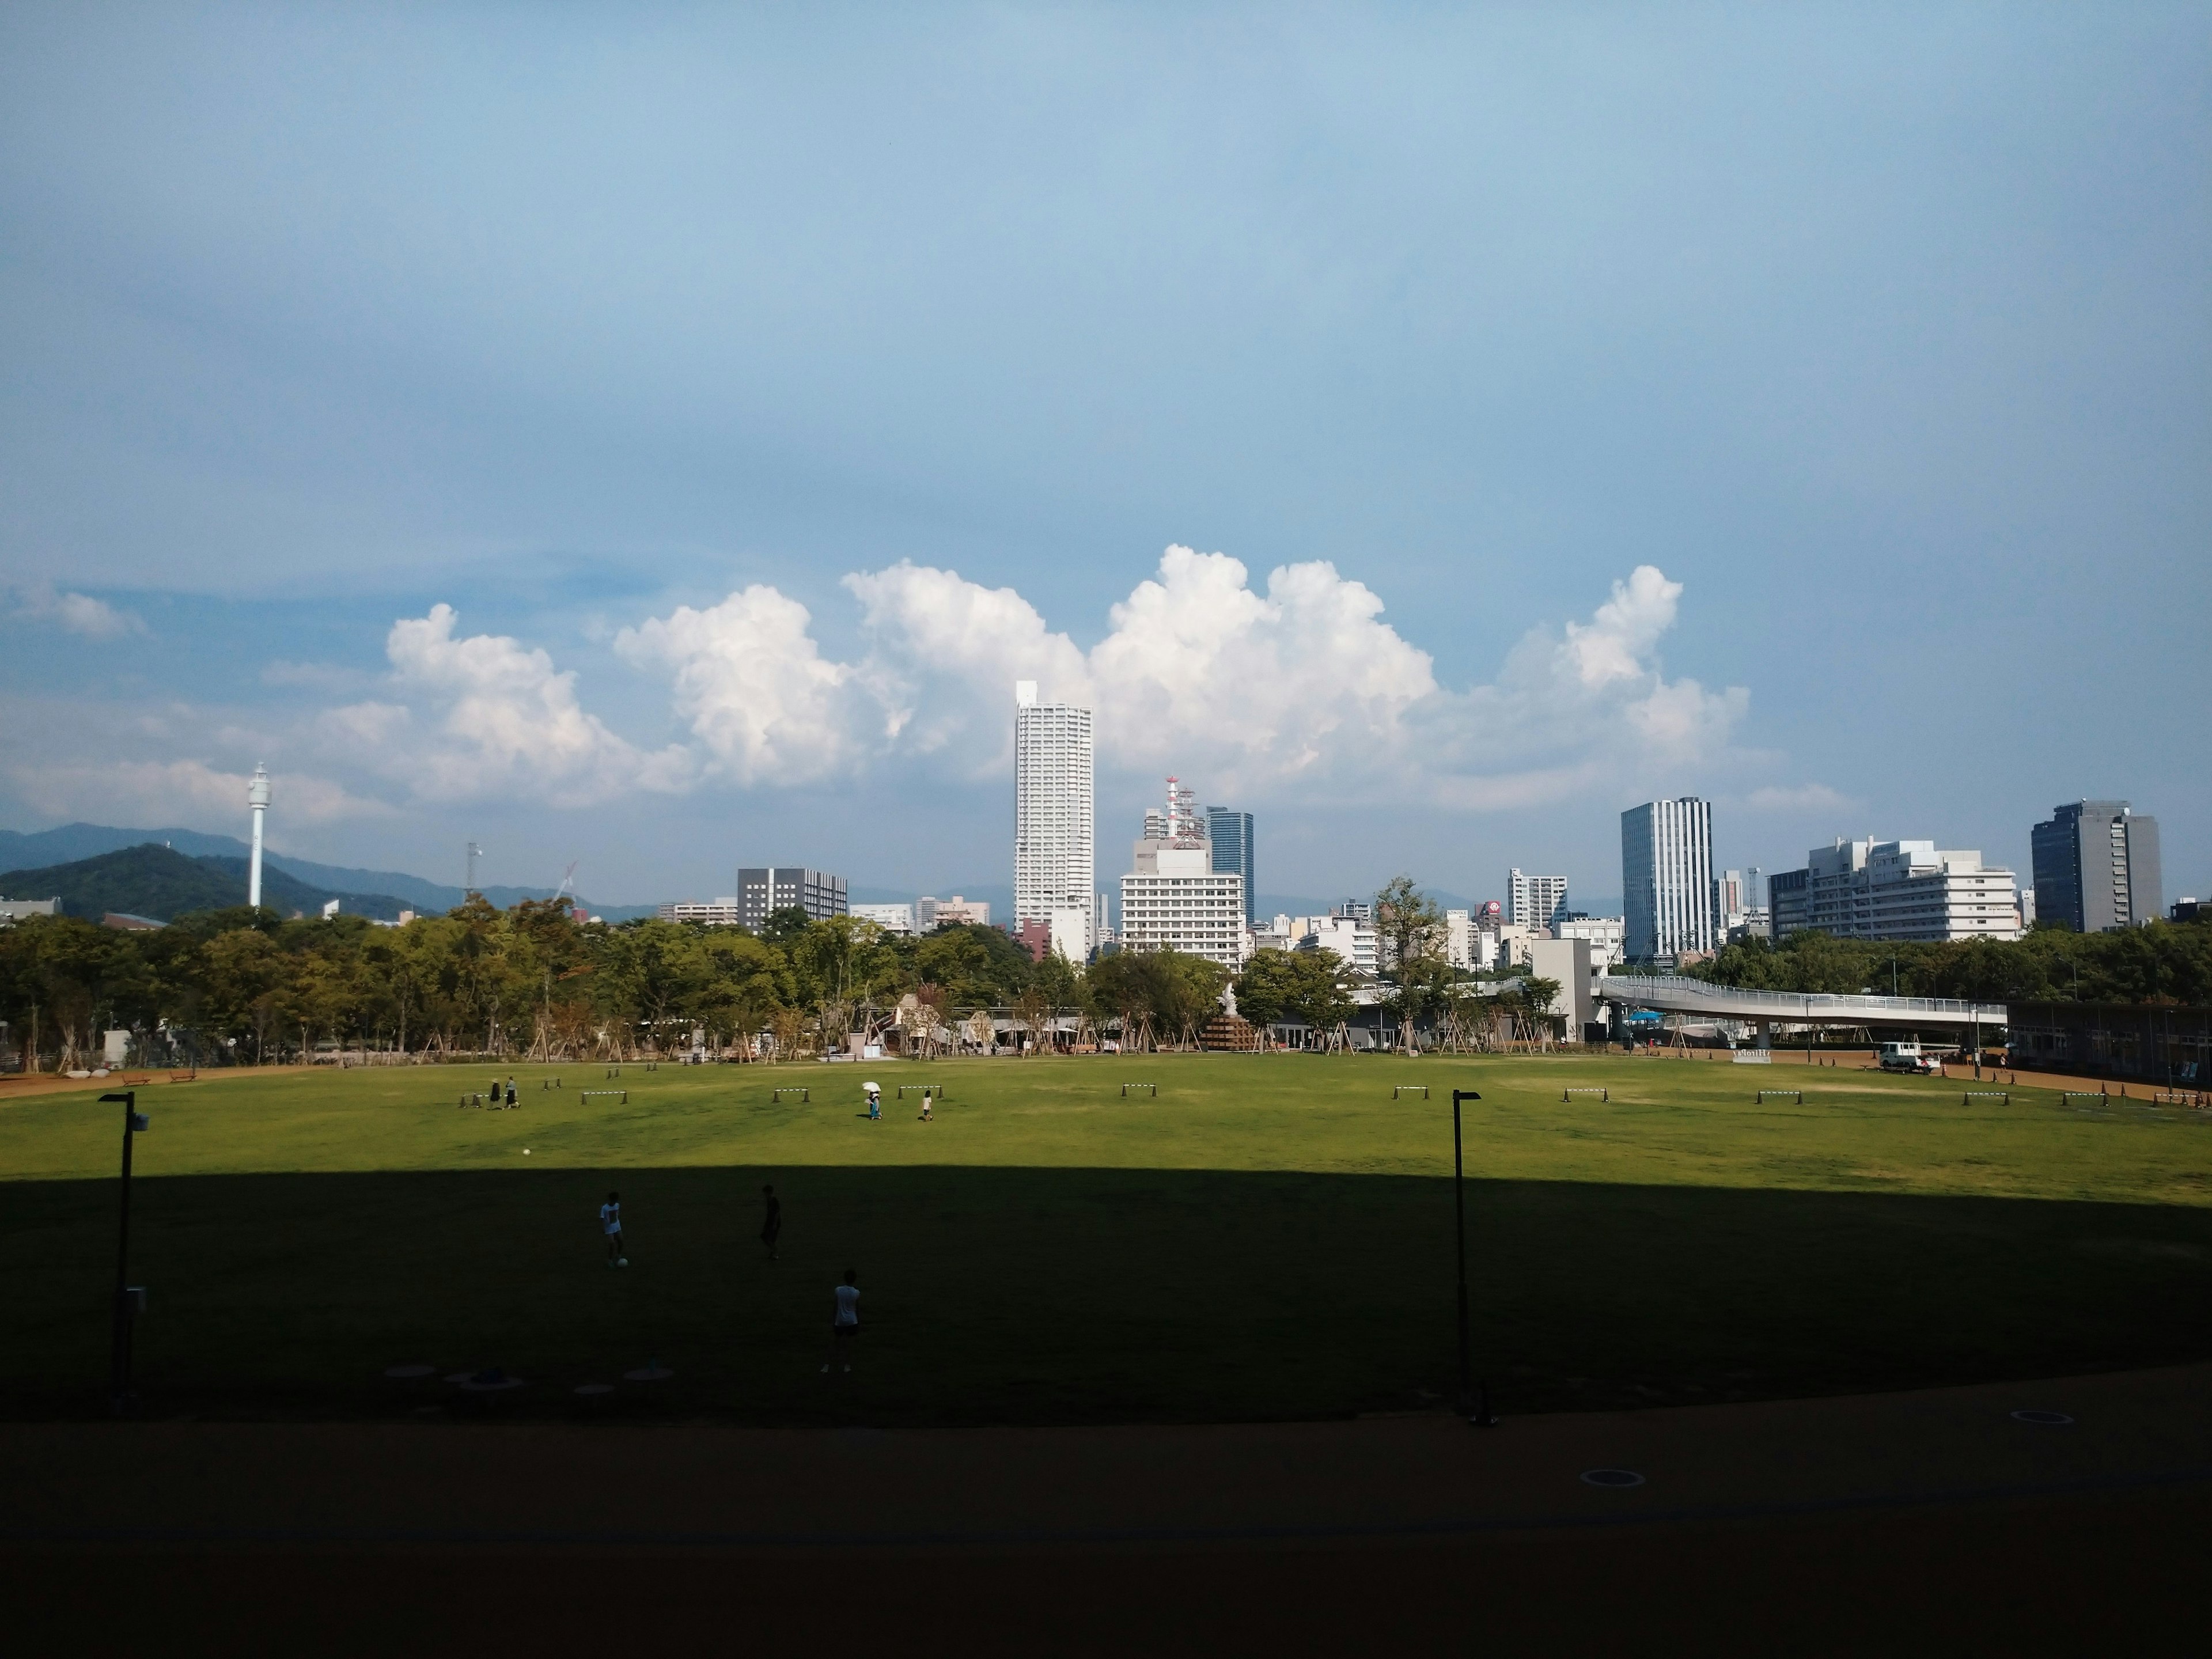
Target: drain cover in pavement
(2052, 1418)
(1612, 1477)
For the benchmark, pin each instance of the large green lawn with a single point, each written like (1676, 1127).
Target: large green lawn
(1270, 1237)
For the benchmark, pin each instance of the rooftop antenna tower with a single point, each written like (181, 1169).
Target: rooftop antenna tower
(257, 797)
(1183, 827)
(475, 853)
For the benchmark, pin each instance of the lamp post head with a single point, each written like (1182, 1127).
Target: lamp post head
(257, 790)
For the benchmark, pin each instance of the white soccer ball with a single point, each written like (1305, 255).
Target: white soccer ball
(525, 1152)
(622, 1262)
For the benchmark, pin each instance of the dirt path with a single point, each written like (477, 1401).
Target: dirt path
(1783, 1526)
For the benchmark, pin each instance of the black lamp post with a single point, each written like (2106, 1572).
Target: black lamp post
(1474, 1407)
(129, 1298)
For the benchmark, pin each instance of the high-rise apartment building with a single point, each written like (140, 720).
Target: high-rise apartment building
(1054, 866)
(763, 891)
(1229, 840)
(1667, 877)
(1896, 890)
(2096, 866)
(1534, 902)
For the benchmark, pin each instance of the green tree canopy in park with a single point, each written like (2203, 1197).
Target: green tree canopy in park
(2164, 961)
(1309, 988)
(243, 984)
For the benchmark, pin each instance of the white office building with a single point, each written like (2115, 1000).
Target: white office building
(718, 913)
(1667, 878)
(1897, 889)
(1056, 868)
(1459, 939)
(1607, 936)
(1352, 938)
(1534, 902)
(891, 918)
(1173, 899)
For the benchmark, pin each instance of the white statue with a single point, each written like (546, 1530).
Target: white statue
(1229, 1000)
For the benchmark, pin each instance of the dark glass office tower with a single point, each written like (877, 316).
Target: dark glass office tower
(1229, 836)
(2096, 866)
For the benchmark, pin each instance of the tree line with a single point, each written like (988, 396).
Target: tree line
(242, 985)
(2161, 963)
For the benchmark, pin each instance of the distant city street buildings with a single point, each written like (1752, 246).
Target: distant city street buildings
(2096, 866)
(1667, 878)
(1534, 901)
(1056, 866)
(1896, 890)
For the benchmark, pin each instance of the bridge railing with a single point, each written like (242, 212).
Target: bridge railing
(1656, 991)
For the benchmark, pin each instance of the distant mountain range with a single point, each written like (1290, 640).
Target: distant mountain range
(160, 883)
(25, 856)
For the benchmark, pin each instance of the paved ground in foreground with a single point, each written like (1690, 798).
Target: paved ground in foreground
(1808, 1526)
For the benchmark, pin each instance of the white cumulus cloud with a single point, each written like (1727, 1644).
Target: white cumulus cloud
(1263, 690)
(756, 689)
(483, 714)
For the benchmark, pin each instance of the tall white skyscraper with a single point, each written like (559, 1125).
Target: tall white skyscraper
(1536, 900)
(1055, 869)
(1667, 877)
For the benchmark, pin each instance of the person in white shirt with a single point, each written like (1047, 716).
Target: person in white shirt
(610, 1225)
(844, 1322)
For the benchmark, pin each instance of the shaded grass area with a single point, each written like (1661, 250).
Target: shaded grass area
(1004, 1294)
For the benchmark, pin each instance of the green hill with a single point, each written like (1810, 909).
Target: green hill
(163, 884)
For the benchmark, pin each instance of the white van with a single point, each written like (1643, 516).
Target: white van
(1907, 1057)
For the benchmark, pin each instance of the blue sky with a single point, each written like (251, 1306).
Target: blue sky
(763, 390)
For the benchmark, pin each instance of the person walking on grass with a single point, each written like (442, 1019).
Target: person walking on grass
(844, 1322)
(610, 1225)
(510, 1094)
(772, 1221)
(926, 1115)
(875, 1094)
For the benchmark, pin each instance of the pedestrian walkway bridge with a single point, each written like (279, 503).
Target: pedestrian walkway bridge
(1668, 994)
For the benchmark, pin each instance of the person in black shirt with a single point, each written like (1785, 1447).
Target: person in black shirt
(772, 1223)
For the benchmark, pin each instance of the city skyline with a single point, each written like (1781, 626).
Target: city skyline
(1461, 483)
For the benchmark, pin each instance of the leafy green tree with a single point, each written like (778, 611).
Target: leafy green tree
(1309, 988)
(1408, 926)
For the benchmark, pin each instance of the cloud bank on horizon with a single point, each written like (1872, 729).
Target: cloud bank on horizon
(1264, 690)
